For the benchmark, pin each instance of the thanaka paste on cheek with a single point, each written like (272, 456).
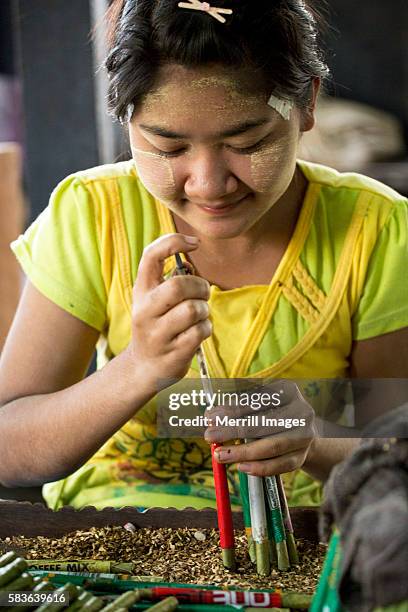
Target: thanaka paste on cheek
(156, 174)
(271, 164)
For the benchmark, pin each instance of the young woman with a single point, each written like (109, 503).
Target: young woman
(298, 269)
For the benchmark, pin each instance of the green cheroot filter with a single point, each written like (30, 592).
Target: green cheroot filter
(243, 487)
(126, 600)
(297, 601)
(83, 598)
(290, 536)
(41, 587)
(272, 544)
(166, 605)
(21, 583)
(276, 517)
(68, 589)
(11, 571)
(92, 605)
(7, 558)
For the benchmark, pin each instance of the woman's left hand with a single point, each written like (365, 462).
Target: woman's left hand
(278, 448)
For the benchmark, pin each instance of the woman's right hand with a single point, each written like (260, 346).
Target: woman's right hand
(42, 394)
(170, 318)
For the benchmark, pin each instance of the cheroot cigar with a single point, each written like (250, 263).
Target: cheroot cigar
(80, 565)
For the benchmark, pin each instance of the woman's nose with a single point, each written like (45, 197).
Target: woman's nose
(209, 178)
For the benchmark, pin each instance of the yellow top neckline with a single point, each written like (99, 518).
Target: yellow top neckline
(270, 296)
(291, 253)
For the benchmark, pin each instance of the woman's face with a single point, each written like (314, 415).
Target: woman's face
(218, 157)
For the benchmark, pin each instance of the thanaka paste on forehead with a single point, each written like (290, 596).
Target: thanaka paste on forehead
(234, 100)
(231, 84)
(283, 107)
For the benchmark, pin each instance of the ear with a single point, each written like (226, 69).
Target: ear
(308, 113)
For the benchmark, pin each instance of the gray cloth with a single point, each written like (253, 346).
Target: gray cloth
(366, 497)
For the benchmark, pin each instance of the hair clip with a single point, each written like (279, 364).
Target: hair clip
(215, 12)
(283, 107)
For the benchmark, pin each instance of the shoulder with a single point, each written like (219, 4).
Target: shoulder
(103, 177)
(108, 172)
(101, 188)
(340, 192)
(352, 181)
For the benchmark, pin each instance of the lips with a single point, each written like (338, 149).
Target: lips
(220, 208)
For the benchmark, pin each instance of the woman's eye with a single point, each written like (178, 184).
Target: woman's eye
(247, 150)
(171, 153)
(239, 150)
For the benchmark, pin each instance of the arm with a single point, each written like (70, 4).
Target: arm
(52, 421)
(385, 356)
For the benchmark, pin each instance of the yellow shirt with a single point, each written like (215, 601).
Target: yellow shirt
(340, 280)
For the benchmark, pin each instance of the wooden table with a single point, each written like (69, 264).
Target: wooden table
(24, 518)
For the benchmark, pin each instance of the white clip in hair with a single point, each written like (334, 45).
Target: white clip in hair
(215, 12)
(129, 113)
(283, 107)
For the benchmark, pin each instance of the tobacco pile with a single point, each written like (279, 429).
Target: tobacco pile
(177, 555)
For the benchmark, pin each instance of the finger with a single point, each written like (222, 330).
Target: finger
(183, 316)
(188, 341)
(150, 272)
(257, 450)
(220, 431)
(175, 290)
(271, 467)
(287, 389)
(259, 399)
(294, 420)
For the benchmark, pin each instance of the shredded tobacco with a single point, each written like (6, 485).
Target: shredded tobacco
(176, 555)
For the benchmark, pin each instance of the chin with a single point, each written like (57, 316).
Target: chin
(223, 230)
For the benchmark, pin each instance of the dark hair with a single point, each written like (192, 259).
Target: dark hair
(277, 40)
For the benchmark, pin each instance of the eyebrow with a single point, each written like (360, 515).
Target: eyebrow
(157, 130)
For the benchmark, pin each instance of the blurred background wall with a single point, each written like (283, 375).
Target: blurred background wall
(62, 91)
(369, 57)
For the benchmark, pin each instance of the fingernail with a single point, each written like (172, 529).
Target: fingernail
(191, 239)
(223, 455)
(205, 309)
(212, 436)
(208, 327)
(244, 467)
